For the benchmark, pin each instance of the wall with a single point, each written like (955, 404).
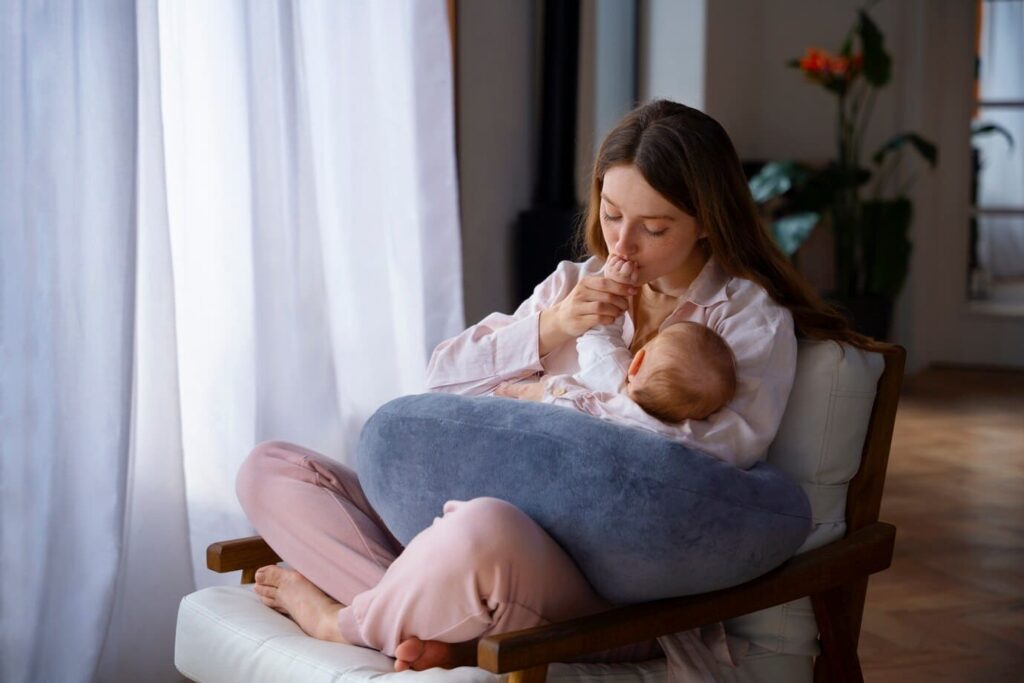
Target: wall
(731, 56)
(771, 113)
(671, 44)
(497, 118)
(944, 328)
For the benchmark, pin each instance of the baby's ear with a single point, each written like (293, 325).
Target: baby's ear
(638, 360)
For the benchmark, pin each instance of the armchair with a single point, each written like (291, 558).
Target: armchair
(834, 439)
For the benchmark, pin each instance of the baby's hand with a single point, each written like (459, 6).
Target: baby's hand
(621, 269)
(524, 391)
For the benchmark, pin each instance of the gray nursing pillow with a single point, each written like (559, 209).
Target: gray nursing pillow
(643, 517)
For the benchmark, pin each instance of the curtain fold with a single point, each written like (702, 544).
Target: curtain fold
(156, 567)
(222, 223)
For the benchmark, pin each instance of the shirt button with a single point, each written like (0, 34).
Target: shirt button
(558, 391)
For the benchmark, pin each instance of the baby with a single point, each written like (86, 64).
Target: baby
(685, 372)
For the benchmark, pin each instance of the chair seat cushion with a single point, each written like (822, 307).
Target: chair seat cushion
(226, 635)
(643, 517)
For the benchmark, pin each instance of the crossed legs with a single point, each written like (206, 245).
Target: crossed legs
(483, 567)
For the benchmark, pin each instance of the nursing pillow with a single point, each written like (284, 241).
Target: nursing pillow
(643, 517)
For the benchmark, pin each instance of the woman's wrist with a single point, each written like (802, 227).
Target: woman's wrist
(551, 333)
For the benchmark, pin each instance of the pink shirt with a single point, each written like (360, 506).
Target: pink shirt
(503, 348)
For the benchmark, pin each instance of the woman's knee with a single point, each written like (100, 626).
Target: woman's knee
(256, 470)
(490, 528)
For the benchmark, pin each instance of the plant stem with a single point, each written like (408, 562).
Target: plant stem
(862, 125)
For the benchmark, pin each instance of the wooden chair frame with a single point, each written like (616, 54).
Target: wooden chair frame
(835, 577)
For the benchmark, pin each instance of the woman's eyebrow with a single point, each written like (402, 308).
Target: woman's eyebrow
(652, 218)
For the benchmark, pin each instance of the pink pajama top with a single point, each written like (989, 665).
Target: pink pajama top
(502, 348)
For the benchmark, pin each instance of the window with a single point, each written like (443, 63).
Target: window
(996, 268)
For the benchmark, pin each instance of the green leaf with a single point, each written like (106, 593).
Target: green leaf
(847, 49)
(792, 231)
(923, 147)
(776, 179)
(979, 129)
(885, 230)
(877, 62)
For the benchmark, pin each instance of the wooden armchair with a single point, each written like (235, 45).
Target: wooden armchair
(835, 576)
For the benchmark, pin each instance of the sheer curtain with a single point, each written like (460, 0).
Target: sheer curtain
(67, 263)
(223, 222)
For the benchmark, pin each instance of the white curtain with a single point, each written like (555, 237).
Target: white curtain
(245, 228)
(67, 263)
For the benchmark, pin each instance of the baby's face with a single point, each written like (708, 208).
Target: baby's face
(635, 380)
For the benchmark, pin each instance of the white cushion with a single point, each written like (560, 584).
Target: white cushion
(822, 433)
(225, 634)
(819, 445)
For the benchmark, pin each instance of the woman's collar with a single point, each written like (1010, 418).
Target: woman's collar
(709, 287)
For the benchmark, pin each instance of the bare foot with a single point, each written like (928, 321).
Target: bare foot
(419, 654)
(291, 593)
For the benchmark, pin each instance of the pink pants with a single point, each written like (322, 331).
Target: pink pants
(484, 567)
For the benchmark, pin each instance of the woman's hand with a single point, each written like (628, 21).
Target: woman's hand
(595, 300)
(524, 391)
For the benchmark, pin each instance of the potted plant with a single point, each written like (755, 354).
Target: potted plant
(868, 212)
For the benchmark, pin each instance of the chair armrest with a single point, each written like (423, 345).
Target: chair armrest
(242, 553)
(863, 552)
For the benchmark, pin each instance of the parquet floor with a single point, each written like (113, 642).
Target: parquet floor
(951, 607)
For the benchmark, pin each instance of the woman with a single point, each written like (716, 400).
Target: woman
(668, 193)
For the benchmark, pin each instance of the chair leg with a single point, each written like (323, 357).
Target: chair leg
(535, 674)
(838, 662)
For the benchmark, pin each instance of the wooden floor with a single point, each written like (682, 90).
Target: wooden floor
(951, 607)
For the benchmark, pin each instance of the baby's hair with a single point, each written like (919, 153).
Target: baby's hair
(693, 374)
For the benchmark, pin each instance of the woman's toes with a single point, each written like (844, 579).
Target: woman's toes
(420, 655)
(408, 651)
(268, 575)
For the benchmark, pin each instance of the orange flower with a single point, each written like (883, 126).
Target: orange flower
(833, 71)
(814, 61)
(838, 66)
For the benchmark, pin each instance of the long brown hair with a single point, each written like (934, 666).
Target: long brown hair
(688, 158)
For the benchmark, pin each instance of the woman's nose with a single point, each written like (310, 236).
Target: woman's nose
(625, 244)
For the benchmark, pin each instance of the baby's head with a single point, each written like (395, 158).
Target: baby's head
(686, 371)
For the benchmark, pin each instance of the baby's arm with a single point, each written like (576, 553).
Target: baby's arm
(603, 357)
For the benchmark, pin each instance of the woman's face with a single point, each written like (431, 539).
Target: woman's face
(641, 225)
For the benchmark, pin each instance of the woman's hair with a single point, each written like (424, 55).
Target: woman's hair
(689, 159)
